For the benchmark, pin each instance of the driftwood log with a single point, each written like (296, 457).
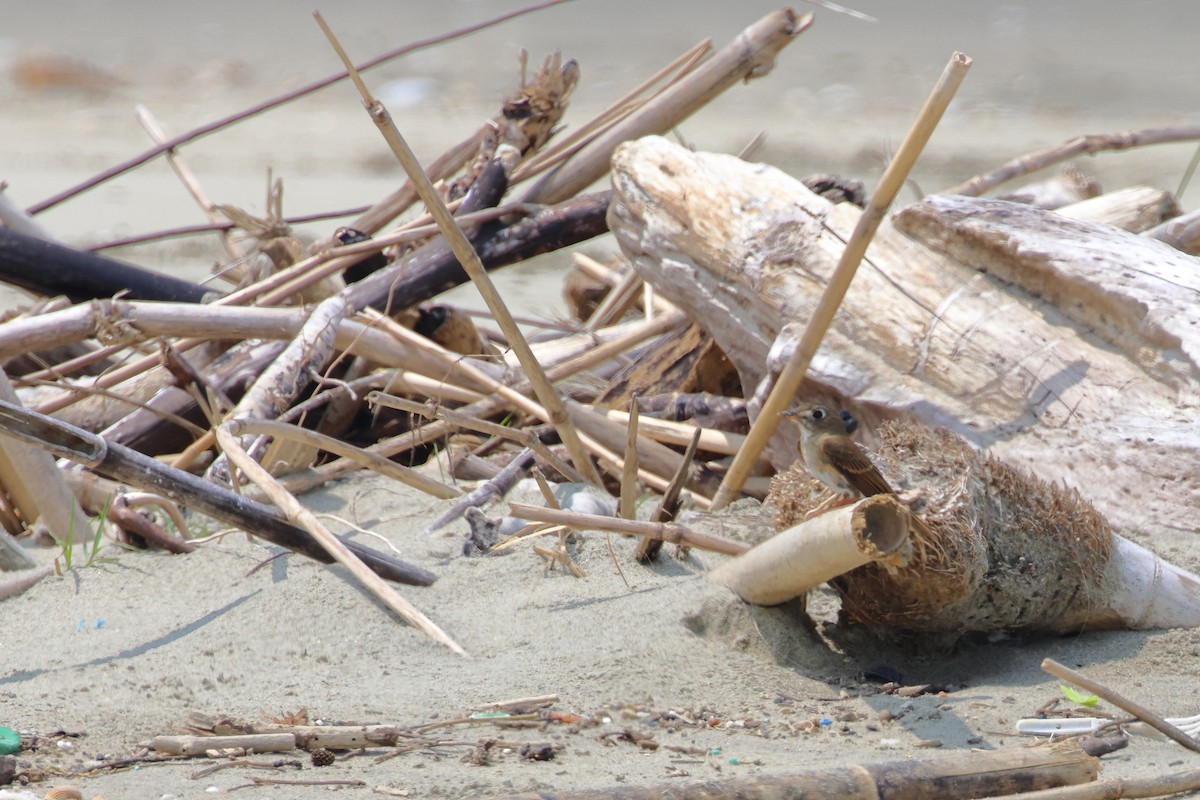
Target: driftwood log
(1067, 347)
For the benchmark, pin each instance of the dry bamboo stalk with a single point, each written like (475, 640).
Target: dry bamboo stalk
(306, 519)
(390, 469)
(1080, 145)
(618, 301)
(483, 408)
(668, 504)
(628, 507)
(31, 478)
(788, 382)
(474, 268)
(525, 438)
(666, 531)
(751, 54)
(1136, 709)
(680, 433)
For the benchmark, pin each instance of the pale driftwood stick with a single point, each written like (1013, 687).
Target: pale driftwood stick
(13, 583)
(494, 489)
(306, 519)
(667, 531)
(750, 55)
(131, 322)
(275, 389)
(1080, 145)
(1182, 233)
(788, 383)
(31, 478)
(385, 467)
(628, 507)
(334, 737)
(1134, 209)
(618, 300)
(660, 325)
(523, 437)
(13, 557)
(470, 262)
(212, 127)
(136, 469)
(978, 773)
(187, 177)
(1130, 707)
(199, 745)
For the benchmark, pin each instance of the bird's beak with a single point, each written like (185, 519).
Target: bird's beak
(791, 413)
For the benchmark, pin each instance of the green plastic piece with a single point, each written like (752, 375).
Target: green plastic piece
(10, 741)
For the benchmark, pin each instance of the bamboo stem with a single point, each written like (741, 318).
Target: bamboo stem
(399, 472)
(307, 520)
(474, 268)
(784, 391)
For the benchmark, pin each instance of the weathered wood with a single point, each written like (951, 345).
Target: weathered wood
(1134, 209)
(49, 269)
(130, 466)
(978, 773)
(745, 249)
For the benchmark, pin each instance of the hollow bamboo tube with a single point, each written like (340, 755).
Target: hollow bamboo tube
(803, 557)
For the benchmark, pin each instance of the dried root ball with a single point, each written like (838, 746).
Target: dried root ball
(1002, 549)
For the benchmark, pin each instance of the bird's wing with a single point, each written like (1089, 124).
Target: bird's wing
(855, 465)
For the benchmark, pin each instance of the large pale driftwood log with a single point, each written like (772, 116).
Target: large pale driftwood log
(745, 249)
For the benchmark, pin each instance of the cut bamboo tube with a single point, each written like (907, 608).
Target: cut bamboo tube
(199, 745)
(474, 268)
(786, 386)
(803, 557)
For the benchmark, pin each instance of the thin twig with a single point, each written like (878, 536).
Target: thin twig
(275, 102)
(1080, 145)
(789, 380)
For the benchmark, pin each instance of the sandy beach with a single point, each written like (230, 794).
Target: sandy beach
(658, 675)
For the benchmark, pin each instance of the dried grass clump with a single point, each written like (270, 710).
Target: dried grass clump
(999, 548)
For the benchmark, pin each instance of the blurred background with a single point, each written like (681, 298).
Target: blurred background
(840, 98)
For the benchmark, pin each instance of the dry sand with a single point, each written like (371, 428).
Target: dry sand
(122, 652)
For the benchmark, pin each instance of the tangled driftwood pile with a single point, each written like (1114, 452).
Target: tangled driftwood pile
(1062, 336)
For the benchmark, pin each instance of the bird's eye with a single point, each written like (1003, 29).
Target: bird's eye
(818, 414)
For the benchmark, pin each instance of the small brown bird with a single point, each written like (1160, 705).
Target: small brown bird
(834, 458)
